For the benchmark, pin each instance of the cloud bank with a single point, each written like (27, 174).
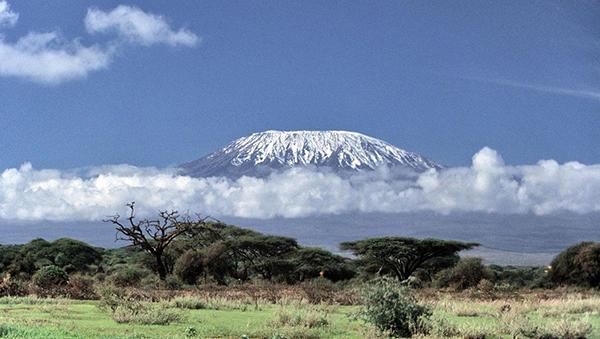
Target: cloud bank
(488, 185)
(50, 59)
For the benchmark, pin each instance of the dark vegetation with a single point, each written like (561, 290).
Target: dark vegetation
(177, 251)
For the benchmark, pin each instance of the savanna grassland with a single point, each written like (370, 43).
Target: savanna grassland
(193, 278)
(544, 314)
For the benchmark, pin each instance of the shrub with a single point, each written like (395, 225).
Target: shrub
(189, 266)
(568, 266)
(128, 276)
(392, 308)
(171, 283)
(309, 318)
(189, 303)
(467, 273)
(146, 314)
(50, 276)
(318, 290)
(12, 287)
(150, 282)
(81, 287)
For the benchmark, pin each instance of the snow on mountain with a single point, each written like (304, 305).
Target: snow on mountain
(261, 153)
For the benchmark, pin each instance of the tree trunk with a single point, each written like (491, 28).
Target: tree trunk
(160, 267)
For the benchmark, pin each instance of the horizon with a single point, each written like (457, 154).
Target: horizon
(102, 104)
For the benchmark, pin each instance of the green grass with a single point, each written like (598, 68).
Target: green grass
(83, 319)
(59, 318)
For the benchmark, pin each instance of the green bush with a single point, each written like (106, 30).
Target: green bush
(146, 314)
(50, 276)
(309, 318)
(172, 283)
(189, 266)
(392, 308)
(128, 276)
(577, 265)
(467, 273)
(190, 303)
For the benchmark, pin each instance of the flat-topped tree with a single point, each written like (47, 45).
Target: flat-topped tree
(155, 235)
(403, 256)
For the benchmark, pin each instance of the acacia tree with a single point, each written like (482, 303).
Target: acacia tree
(402, 256)
(155, 235)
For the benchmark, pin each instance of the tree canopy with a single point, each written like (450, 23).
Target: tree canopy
(577, 265)
(400, 256)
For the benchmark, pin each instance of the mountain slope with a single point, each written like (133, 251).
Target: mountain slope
(261, 153)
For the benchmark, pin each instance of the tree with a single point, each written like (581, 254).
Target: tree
(588, 261)
(155, 235)
(577, 265)
(401, 256)
(257, 253)
(71, 255)
(312, 262)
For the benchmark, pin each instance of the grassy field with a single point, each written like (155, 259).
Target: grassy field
(84, 319)
(453, 315)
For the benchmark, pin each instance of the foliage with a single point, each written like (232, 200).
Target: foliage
(401, 257)
(310, 263)
(190, 266)
(467, 273)
(255, 253)
(518, 276)
(577, 265)
(155, 236)
(318, 290)
(50, 276)
(81, 287)
(23, 260)
(391, 308)
(146, 315)
(190, 303)
(305, 317)
(128, 275)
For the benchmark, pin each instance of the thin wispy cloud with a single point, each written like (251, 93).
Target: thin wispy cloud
(137, 26)
(579, 93)
(49, 58)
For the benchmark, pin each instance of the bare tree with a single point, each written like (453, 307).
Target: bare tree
(154, 235)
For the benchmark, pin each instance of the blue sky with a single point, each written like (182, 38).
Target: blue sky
(439, 78)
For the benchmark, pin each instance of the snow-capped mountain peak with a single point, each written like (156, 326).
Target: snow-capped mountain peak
(260, 153)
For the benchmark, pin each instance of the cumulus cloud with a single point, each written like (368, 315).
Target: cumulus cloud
(137, 26)
(488, 185)
(49, 58)
(8, 18)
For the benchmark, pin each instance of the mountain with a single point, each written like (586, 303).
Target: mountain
(261, 153)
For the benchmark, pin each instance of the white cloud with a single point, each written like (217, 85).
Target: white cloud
(572, 92)
(488, 185)
(50, 59)
(137, 26)
(8, 18)
(46, 58)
